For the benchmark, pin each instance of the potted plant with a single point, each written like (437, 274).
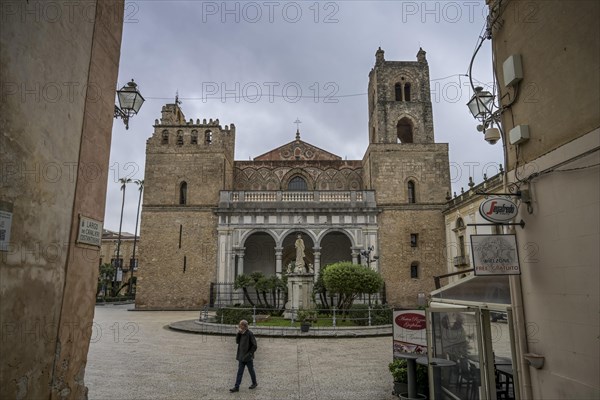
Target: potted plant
(306, 317)
(399, 372)
(422, 381)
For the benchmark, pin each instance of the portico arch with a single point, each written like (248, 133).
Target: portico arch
(336, 245)
(258, 254)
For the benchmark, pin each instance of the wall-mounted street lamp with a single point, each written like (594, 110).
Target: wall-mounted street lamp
(130, 102)
(480, 107)
(480, 103)
(367, 255)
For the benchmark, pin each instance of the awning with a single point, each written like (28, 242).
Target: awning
(491, 290)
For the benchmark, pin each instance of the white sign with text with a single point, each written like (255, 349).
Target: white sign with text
(495, 255)
(90, 231)
(410, 333)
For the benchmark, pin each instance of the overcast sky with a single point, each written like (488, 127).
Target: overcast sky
(248, 62)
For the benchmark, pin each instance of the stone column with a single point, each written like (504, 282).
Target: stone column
(278, 260)
(224, 259)
(231, 273)
(317, 264)
(240, 254)
(355, 254)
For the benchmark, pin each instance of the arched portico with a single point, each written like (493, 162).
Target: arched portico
(258, 254)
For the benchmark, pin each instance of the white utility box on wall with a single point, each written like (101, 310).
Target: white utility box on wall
(512, 70)
(518, 134)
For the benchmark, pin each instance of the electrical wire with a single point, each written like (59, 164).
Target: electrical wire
(253, 97)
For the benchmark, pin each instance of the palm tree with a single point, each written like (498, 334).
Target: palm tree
(244, 281)
(124, 182)
(256, 276)
(140, 183)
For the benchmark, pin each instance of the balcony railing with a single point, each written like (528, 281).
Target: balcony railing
(297, 197)
(461, 261)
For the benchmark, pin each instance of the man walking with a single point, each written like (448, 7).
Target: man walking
(245, 355)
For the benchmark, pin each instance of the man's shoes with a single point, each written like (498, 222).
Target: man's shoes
(253, 386)
(234, 389)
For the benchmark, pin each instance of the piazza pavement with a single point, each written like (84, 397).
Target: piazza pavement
(134, 355)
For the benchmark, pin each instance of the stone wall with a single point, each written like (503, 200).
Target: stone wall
(178, 258)
(389, 167)
(49, 146)
(396, 254)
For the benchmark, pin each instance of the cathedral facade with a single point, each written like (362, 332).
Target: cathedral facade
(207, 218)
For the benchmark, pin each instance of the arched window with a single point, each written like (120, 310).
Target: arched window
(297, 183)
(398, 91)
(405, 130)
(411, 192)
(179, 138)
(208, 137)
(194, 137)
(165, 137)
(414, 270)
(183, 193)
(407, 91)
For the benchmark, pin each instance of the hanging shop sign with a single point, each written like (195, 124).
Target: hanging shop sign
(498, 209)
(495, 255)
(410, 333)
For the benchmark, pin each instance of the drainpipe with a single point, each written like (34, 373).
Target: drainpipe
(516, 295)
(516, 299)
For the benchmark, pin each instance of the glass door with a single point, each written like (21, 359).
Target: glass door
(458, 349)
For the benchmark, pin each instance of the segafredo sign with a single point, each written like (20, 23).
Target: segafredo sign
(498, 209)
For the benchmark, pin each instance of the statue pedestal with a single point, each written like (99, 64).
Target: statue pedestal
(300, 290)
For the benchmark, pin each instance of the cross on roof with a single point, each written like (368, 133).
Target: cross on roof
(297, 122)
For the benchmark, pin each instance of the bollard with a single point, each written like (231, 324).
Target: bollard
(369, 315)
(254, 316)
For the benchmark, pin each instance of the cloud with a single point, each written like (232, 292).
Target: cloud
(329, 49)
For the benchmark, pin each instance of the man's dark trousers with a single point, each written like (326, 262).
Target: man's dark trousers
(240, 373)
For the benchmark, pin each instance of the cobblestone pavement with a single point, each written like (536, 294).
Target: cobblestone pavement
(133, 355)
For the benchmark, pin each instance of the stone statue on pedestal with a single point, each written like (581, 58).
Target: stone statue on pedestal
(300, 282)
(299, 253)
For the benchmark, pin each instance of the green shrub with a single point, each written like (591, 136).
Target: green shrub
(350, 280)
(359, 314)
(232, 316)
(381, 315)
(399, 370)
(307, 316)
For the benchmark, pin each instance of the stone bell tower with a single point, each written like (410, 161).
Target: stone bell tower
(409, 173)
(400, 101)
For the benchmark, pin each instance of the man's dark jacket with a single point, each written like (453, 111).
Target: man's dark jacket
(246, 346)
